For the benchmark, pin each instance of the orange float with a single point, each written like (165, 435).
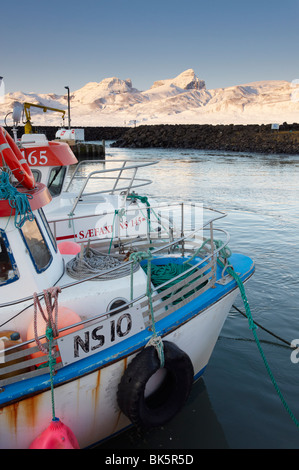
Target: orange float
(69, 248)
(66, 317)
(15, 160)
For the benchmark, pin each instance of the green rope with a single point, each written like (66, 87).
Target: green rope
(18, 201)
(197, 252)
(143, 200)
(161, 274)
(52, 362)
(156, 341)
(225, 254)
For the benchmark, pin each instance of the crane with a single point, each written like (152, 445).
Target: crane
(27, 106)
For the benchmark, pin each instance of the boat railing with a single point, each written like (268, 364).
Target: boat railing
(163, 217)
(196, 247)
(121, 180)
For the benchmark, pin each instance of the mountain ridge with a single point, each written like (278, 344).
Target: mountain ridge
(183, 99)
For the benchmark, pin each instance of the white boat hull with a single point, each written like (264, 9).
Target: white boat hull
(88, 405)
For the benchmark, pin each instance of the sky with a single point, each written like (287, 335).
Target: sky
(47, 45)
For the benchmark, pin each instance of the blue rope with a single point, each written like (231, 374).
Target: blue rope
(18, 201)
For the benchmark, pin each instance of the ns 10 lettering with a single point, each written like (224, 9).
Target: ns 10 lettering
(96, 338)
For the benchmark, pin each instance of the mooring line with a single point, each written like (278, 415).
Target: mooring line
(265, 329)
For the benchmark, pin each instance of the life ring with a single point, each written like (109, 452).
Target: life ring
(15, 160)
(164, 403)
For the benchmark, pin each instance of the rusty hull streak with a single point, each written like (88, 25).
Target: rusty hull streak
(96, 390)
(28, 407)
(120, 412)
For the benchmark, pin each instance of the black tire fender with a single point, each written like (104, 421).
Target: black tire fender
(162, 405)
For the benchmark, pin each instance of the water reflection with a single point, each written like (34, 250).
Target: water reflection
(202, 429)
(236, 405)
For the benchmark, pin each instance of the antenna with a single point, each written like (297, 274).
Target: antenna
(69, 107)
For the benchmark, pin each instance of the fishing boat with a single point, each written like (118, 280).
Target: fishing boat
(98, 194)
(107, 338)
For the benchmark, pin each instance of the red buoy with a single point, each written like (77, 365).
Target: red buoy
(56, 436)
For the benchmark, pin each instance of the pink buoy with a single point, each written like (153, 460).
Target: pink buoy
(69, 248)
(56, 436)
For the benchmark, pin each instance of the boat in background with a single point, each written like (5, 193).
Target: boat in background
(106, 338)
(86, 193)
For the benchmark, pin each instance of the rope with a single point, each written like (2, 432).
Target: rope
(136, 257)
(51, 330)
(225, 253)
(160, 274)
(227, 266)
(265, 329)
(144, 200)
(92, 262)
(18, 201)
(50, 337)
(155, 340)
(49, 294)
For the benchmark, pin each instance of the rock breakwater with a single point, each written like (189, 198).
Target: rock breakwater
(239, 138)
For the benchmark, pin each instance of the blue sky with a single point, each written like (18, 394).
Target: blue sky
(46, 45)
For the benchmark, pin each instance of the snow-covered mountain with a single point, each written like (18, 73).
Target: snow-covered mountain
(181, 100)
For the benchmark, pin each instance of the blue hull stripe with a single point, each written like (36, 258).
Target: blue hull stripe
(19, 390)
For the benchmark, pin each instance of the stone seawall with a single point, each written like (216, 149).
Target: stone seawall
(90, 133)
(250, 138)
(247, 138)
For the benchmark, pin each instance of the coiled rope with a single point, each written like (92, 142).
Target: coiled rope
(18, 201)
(162, 274)
(92, 262)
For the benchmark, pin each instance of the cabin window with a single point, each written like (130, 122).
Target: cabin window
(8, 269)
(37, 175)
(118, 304)
(56, 180)
(37, 245)
(47, 227)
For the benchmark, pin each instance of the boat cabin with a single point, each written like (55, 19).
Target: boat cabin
(30, 261)
(49, 160)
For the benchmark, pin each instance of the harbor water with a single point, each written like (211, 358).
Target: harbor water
(235, 405)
